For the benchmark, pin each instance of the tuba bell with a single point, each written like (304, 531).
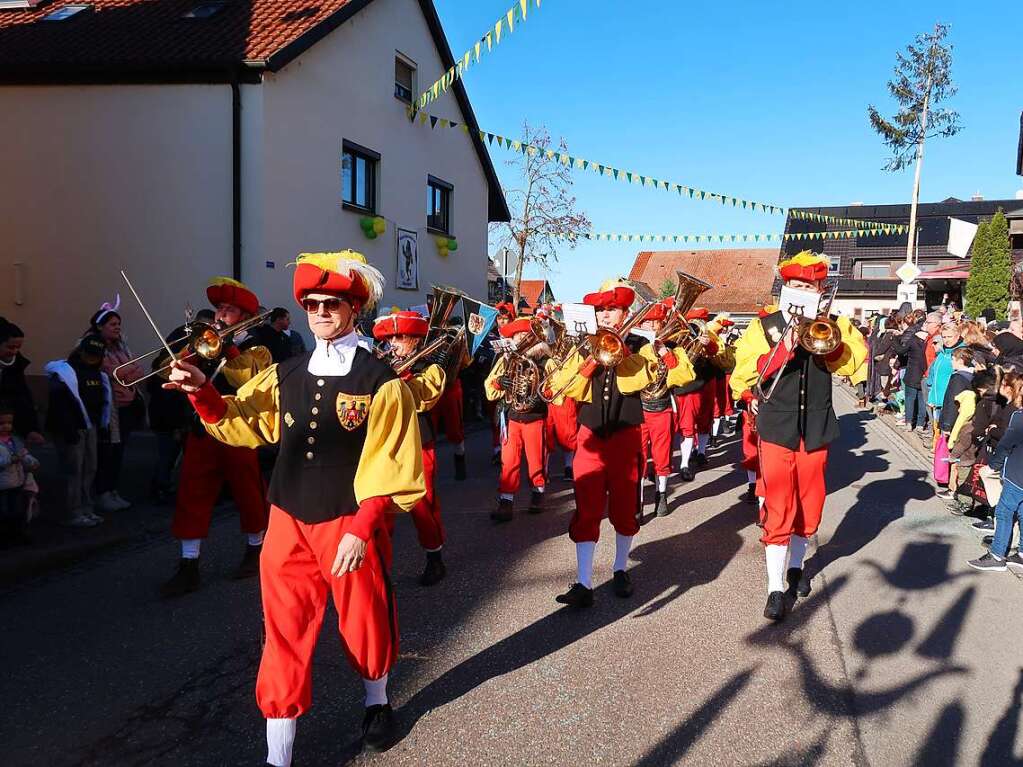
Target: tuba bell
(676, 328)
(523, 371)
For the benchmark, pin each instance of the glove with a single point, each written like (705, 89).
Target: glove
(505, 382)
(442, 357)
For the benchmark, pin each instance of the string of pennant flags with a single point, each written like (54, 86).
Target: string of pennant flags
(632, 177)
(744, 238)
(503, 27)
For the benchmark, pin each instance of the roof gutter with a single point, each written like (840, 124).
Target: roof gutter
(236, 179)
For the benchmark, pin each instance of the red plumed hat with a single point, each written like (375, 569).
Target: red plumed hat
(699, 313)
(224, 290)
(400, 323)
(619, 297)
(657, 312)
(805, 265)
(345, 273)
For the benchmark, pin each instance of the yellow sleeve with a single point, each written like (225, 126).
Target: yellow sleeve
(252, 418)
(725, 358)
(427, 387)
(578, 387)
(391, 463)
(246, 365)
(967, 407)
(854, 350)
(752, 344)
(496, 372)
(683, 372)
(637, 371)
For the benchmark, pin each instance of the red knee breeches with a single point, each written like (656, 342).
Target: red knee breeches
(206, 465)
(607, 474)
(657, 433)
(530, 438)
(750, 460)
(793, 487)
(295, 580)
(449, 412)
(722, 397)
(426, 513)
(695, 411)
(562, 425)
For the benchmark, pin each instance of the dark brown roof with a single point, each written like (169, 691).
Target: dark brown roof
(741, 277)
(120, 41)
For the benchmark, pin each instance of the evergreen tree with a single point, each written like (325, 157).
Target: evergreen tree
(990, 269)
(667, 288)
(973, 301)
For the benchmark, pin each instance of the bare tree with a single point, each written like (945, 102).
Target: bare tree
(923, 79)
(544, 217)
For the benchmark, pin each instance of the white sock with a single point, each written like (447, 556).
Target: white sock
(569, 459)
(460, 448)
(662, 484)
(623, 544)
(687, 451)
(776, 556)
(376, 691)
(702, 440)
(716, 427)
(539, 489)
(751, 476)
(280, 738)
(256, 539)
(584, 562)
(760, 501)
(507, 497)
(797, 550)
(190, 548)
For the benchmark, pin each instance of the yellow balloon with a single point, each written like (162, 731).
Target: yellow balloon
(379, 225)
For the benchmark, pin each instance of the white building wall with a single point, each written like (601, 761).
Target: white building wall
(99, 178)
(343, 88)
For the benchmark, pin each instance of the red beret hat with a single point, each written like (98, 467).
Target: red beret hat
(345, 273)
(521, 325)
(224, 290)
(726, 323)
(657, 312)
(507, 308)
(805, 265)
(400, 323)
(700, 313)
(617, 298)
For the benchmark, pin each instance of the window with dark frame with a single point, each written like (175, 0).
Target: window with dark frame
(404, 79)
(438, 205)
(358, 177)
(835, 265)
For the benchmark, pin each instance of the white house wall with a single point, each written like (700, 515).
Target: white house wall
(343, 88)
(99, 178)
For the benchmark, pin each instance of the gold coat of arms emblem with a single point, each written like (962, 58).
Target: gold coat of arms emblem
(352, 410)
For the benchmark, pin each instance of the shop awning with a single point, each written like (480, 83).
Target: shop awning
(948, 273)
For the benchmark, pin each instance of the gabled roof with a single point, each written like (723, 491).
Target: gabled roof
(531, 290)
(742, 277)
(151, 41)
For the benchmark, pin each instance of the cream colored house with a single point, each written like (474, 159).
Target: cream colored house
(182, 140)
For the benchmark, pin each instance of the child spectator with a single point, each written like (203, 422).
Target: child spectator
(959, 382)
(14, 391)
(80, 402)
(975, 407)
(15, 465)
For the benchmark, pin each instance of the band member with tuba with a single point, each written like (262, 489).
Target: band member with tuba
(609, 453)
(694, 401)
(349, 453)
(515, 379)
(207, 464)
(658, 416)
(404, 332)
(795, 423)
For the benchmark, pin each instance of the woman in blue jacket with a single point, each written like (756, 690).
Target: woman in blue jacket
(941, 369)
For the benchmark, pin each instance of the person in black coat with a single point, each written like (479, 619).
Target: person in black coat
(1008, 351)
(14, 391)
(912, 346)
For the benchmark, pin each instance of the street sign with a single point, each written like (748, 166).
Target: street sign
(908, 272)
(907, 292)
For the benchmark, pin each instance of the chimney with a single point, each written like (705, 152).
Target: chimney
(978, 197)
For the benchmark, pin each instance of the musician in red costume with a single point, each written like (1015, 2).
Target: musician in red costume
(724, 363)
(694, 401)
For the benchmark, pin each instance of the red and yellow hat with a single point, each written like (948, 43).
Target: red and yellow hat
(805, 265)
(224, 290)
(721, 321)
(345, 273)
(400, 324)
(699, 313)
(521, 325)
(619, 297)
(506, 308)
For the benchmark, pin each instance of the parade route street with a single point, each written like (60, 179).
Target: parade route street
(901, 656)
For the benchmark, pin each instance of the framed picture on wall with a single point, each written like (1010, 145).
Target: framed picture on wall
(407, 273)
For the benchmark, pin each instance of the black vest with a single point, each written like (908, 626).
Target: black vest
(314, 477)
(608, 410)
(703, 369)
(800, 406)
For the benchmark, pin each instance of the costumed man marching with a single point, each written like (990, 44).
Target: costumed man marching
(609, 454)
(694, 401)
(526, 417)
(724, 363)
(505, 314)
(658, 413)
(795, 427)
(349, 453)
(448, 412)
(207, 464)
(404, 332)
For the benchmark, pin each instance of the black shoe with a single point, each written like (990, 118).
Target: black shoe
(434, 571)
(987, 525)
(379, 728)
(1014, 561)
(687, 474)
(987, 540)
(957, 509)
(459, 467)
(504, 512)
(799, 583)
(750, 496)
(775, 609)
(249, 565)
(184, 581)
(569, 476)
(713, 441)
(535, 503)
(661, 504)
(577, 596)
(622, 584)
(699, 459)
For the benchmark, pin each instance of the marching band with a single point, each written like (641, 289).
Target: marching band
(614, 382)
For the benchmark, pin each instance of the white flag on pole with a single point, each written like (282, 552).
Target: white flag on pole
(960, 237)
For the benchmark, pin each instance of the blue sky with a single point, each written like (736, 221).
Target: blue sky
(765, 101)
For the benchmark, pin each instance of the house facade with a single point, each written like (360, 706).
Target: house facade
(179, 147)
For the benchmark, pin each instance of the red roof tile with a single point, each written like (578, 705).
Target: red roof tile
(742, 277)
(531, 290)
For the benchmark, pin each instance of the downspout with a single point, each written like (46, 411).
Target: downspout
(236, 178)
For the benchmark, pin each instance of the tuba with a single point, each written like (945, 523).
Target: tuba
(440, 338)
(687, 291)
(523, 371)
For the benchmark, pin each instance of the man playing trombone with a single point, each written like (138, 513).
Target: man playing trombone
(789, 385)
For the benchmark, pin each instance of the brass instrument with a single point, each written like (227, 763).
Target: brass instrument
(819, 336)
(439, 336)
(688, 289)
(523, 371)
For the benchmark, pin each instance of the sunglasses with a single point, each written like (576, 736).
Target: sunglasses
(332, 305)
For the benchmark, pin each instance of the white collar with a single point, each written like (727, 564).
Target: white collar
(334, 357)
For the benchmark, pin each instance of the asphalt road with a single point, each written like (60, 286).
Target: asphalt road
(901, 656)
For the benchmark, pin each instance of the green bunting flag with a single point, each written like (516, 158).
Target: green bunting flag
(721, 238)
